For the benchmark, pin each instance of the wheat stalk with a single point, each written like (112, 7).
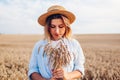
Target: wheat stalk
(58, 56)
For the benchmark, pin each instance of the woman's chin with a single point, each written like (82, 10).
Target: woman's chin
(57, 38)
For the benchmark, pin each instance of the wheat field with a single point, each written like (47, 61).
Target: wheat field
(102, 53)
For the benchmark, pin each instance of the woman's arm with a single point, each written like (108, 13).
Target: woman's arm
(72, 75)
(33, 65)
(36, 76)
(60, 73)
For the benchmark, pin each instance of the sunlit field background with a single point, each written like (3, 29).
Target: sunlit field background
(102, 53)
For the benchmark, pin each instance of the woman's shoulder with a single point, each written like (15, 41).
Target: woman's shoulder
(73, 41)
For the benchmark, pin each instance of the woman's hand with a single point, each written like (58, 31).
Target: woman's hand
(53, 78)
(59, 74)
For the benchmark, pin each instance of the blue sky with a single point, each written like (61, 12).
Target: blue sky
(92, 16)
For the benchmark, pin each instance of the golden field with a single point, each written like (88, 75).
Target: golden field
(102, 53)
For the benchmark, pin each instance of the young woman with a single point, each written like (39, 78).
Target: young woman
(58, 56)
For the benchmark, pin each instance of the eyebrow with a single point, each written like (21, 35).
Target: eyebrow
(54, 25)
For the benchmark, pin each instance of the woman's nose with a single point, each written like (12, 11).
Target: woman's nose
(57, 30)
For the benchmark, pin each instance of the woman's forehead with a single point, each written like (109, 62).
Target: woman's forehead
(57, 21)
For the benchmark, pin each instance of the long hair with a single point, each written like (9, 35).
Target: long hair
(68, 31)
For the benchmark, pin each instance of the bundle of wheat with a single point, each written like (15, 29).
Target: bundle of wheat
(58, 56)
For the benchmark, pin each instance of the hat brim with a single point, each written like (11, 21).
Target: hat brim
(69, 15)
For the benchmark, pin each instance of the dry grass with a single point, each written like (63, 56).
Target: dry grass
(102, 54)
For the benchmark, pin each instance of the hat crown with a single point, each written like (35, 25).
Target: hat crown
(55, 7)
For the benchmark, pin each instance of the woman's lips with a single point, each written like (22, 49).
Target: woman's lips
(56, 34)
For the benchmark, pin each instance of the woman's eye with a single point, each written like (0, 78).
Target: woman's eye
(52, 26)
(61, 26)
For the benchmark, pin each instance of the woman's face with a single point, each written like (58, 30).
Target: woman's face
(57, 29)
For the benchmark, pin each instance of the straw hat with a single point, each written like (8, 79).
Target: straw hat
(56, 9)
